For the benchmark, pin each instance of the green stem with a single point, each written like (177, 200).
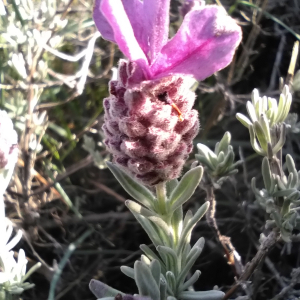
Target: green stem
(161, 198)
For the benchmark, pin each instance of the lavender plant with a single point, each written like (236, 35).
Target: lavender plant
(12, 272)
(150, 126)
(280, 196)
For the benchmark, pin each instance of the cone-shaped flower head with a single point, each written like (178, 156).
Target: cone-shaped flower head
(204, 44)
(8, 141)
(143, 129)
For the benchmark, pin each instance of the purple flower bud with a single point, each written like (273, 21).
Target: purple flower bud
(8, 141)
(150, 125)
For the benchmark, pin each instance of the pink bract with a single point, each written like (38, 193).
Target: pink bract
(205, 42)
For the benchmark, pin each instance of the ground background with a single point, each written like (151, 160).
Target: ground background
(51, 224)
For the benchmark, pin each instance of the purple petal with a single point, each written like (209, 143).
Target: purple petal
(103, 26)
(156, 19)
(204, 44)
(134, 11)
(114, 12)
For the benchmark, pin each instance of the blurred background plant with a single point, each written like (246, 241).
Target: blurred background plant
(54, 70)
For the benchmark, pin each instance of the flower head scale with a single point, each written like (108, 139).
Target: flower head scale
(204, 44)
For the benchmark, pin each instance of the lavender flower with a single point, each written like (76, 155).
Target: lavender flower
(149, 121)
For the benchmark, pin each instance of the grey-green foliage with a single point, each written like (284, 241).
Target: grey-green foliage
(162, 272)
(220, 162)
(293, 125)
(90, 146)
(266, 124)
(280, 197)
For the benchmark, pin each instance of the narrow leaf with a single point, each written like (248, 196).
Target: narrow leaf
(131, 186)
(186, 188)
(145, 281)
(101, 290)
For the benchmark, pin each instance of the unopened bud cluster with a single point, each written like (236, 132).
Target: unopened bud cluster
(220, 162)
(150, 126)
(280, 197)
(266, 127)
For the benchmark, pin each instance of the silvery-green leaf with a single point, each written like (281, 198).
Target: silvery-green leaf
(186, 188)
(170, 254)
(135, 207)
(281, 140)
(177, 222)
(244, 120)
(161, 224)
(217, 148)
(289, 181)
(292, 169)
(274, 110)
(185, 253)
(205, 161)
(191, 280)
(280, 183)
(151, 255)
(101, 290)
(127, 271)
(207, 295)
(199, 244)
(276, 217)
(251, 111)
(204, 150)
(187, 218)
(155, 270)
(171, 280)
(267, 176)
(162, 288)
(264, 100)
(189, 264)
(145, 282)
(281, 108)
(212, 159)
(264, 122)
(188, 228)
(294, 196)
(258, 107)
(224, 143)
(148, 227)
(227, 162)
(131, 186)
(221, 157)
(145, 260)
(260, 135)
(287, 106)
(170, 186)
(254, 143)
(232, 172)
(254, 96)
